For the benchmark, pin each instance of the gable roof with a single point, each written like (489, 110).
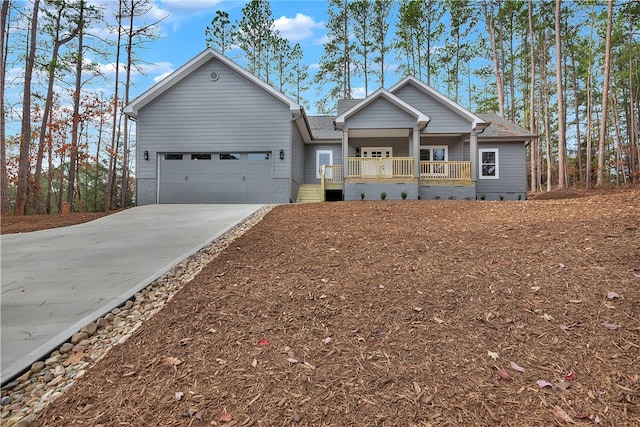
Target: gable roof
(500, 127)
(421, 118)
(181, 73)
(476, 121)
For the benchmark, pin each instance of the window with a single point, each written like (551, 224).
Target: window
(323, 157)
(173, 156)
(201, 157)
(229, 156)
(434, 154)
(258, 156)
(489, 168)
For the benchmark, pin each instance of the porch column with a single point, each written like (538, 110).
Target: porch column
(473, 155)
(345, 153)
(416, 152)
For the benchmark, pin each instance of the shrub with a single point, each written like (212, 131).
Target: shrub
(483, 197)
(501, 197)
(361, 196)
(519, 196)
(403, 195)
(383, 195)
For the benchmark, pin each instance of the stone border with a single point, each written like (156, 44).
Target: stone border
(26, 396)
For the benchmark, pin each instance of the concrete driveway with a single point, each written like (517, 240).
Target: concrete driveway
(53, 282)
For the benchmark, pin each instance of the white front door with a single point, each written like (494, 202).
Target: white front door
(382, 167)
(323, 157)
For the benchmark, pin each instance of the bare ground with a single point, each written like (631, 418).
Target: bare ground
(393, 313)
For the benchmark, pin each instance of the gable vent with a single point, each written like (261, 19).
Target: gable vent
(214, 76)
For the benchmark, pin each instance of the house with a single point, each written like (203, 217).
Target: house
(211, 132)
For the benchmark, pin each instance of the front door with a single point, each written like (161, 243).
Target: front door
(382, 167)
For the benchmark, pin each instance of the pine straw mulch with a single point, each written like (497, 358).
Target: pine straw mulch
(26, 223)
(393, 313)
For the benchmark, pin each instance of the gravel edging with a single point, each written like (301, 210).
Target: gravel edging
(22, 399)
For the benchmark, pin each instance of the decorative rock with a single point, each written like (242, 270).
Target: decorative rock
(109, 317)
(22, 378)
(25, 421)
(128, 304)
(52, 360)
(59, 371)
(102, 322)
(37, 367)
(66, 348)
(76, 338)
(115, 311)
(5, 400)
(90, 329)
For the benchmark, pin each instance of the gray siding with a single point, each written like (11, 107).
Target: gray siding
(199, 115)
(297, 160)
(512, 172)
(310, 160)
(380, 114)
(443, 120)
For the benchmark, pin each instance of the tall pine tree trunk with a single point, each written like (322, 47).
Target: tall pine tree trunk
(562, 128)
(533, 161)
(605, 97)
(75, 136)
(25, 143)
(4, 197)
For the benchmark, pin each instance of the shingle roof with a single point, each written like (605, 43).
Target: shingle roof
(502, 128)
(322, 127)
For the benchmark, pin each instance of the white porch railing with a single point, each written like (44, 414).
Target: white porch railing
(395, 167)
(454, 171)
(381, 167)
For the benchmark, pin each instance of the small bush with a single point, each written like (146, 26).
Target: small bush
(361, 196)
(501, 197)
(483, 197)
(519, 196)
(452, 197)
(383, 195)
(403, 195)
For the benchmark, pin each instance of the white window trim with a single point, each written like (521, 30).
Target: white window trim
(488, 150)
(318, 165)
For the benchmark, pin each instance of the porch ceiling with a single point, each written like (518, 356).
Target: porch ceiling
(379, 133)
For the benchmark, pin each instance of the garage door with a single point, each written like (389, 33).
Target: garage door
(216, 178)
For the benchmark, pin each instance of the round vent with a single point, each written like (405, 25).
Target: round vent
(214, 76)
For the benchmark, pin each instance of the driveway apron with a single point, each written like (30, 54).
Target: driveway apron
(53, 282)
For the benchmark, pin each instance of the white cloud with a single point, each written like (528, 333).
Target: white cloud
(322, 40)
(162, 76)
(314, 67)
(298, 28)
(358, 93)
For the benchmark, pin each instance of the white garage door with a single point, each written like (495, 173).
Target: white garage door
(216, 178)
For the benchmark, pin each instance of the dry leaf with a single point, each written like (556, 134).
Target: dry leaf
(254, 363)
(562, 265)
(173, 361)
(417, 309)
(416, 387)
(611, 326)
(597, 418)
(292, 360)
(612, 295)
(179, 395)
(328, 340)
(564, 327)
(562, 385)
(503, 374)
(543, 383)
(515, 367)
(575, 301)
(493, 355)
(263, 343)
(225, 417)
(221, 361)
(440, 321)
(295, 417)
(547, 317)
(74, 358)
(560, 413)
(198, 415)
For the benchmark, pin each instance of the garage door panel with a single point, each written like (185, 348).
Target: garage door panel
(197, 179)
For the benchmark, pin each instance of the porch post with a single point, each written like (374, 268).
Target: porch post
(345, 153)
(473, 154)
(416, 152)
